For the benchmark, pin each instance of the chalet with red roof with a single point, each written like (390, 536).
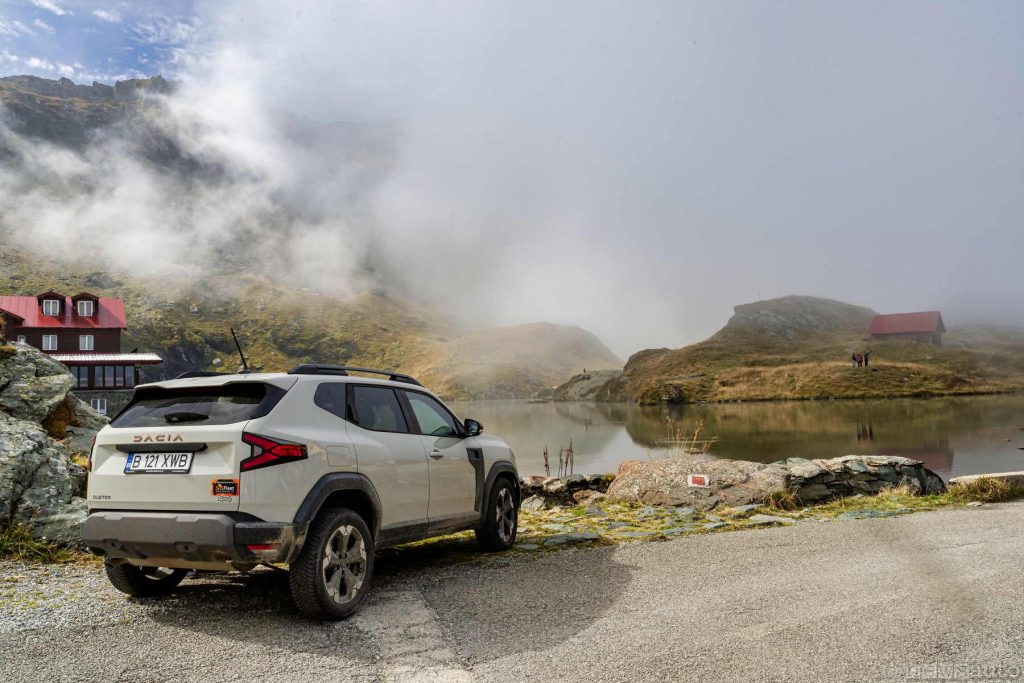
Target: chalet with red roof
(925, 327)
(84, 333)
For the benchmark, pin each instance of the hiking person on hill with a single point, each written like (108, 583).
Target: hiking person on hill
(853, 359)
(867, 355)
(860, 360)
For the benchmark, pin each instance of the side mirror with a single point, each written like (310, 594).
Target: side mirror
(473, 428)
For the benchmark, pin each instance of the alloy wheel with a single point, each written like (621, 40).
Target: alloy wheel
(344, 564)
(505, 510)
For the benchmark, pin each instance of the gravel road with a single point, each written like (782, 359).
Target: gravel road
(928, 596)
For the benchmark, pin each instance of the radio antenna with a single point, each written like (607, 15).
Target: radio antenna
(245, 366)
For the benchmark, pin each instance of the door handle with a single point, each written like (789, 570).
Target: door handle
(435, 454)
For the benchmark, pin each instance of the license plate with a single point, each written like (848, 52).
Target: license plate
(158, 463)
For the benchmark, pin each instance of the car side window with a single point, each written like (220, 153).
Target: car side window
(331, 396)
(433, 418)
(377, 408)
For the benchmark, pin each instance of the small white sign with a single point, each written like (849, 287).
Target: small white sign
(701, 480)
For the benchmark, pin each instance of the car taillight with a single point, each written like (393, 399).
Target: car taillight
(267, 452)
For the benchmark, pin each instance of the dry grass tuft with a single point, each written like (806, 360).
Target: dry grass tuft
(783, 500)
(985, 490)
(16, 543)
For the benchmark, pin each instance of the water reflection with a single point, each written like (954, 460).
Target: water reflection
(983, 433)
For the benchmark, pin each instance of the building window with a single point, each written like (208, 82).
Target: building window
(85, 342)
(49, 342)
(99, 405)
(85, 307)
(81, 375)
(22, 339)
(51, 307)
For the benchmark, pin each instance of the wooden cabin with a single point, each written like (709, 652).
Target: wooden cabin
(925, 327)
(84, 333)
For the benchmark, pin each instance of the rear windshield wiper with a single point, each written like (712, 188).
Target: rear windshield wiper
(185, 416)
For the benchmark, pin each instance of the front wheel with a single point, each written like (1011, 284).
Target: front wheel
(332, 573)
(143, 582)
(498, 531)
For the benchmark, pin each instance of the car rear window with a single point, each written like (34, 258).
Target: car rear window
(220, 405)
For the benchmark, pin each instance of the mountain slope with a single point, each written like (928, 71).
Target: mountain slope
(799, 347)
(187, 322)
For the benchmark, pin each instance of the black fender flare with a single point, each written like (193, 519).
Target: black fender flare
(333, 483)
(499, 468)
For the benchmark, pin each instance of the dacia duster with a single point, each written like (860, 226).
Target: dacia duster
(315, 468)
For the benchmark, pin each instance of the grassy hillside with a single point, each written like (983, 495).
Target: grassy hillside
(501, 362)
(281, 327)
(799, 348)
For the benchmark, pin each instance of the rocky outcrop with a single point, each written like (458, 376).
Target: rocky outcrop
(585, 386)
(40, 484)
(705, 483)
(64, 88)
(32, 385)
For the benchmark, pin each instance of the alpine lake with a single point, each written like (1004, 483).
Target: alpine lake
(952, 436)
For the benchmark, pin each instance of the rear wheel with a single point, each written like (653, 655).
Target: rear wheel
(498, 531)
(333, 571)
(143, 582)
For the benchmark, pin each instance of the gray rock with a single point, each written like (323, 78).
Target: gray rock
(801, 467)
(595, 511)
(558, 528)
(676, 530)
(746, 508)
(767, 520)
(617, 525)
(636, 534)
(715, 525)
(579, 537)
(38, 482)
(533, 504)
(974, 504)
(32, 384)
(527, 546)
(686, 512)
(868, 514)
(713, 518)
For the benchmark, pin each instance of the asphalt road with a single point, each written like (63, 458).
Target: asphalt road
(928, 596)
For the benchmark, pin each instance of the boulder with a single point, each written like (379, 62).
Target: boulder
(665, 482)
(32, 384)
(39, 484)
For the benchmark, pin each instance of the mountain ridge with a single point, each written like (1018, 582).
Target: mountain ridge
(799, 347)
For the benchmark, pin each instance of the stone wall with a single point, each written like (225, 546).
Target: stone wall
(721, 482)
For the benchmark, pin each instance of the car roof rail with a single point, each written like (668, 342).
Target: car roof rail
(200, 373)
(316, 369)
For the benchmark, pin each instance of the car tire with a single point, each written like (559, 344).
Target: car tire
(143, 582)
(498, 531)
(332, 573)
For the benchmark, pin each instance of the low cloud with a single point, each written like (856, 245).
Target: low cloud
(635, 169)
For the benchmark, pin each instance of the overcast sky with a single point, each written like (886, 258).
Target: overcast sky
(637, 168)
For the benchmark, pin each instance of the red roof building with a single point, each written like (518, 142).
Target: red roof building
(925, 327)
(83, 332)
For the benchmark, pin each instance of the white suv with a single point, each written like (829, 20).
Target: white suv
(315, 468)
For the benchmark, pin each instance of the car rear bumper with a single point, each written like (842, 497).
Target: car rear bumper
(199, 537)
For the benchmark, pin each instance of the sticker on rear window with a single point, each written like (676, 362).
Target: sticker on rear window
(225, 487)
